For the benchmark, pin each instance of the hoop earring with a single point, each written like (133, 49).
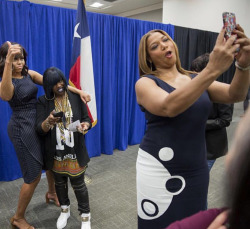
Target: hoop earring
(50, 99)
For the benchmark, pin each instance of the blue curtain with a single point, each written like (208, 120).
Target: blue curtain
(115, 43)
(46, 32)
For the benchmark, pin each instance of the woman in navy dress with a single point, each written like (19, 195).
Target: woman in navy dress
(19, 89)
(172, 173)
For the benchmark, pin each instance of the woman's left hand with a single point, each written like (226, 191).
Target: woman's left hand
(84, 126)
(243, 56)
(85, 97)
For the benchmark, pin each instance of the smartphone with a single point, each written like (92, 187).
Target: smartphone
(58, 114)
(229, 21)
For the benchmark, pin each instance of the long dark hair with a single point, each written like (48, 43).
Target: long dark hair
(3, 53)
(239, 177)
(51, 77)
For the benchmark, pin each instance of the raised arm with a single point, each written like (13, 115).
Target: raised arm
(38, 79)
(159, 102)
(237, 90)
(6, 86)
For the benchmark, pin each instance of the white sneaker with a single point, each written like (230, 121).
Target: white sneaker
(63, 218)
(86, 221)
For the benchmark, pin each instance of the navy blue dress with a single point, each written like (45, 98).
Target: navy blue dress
(21, 128)
(172, 173)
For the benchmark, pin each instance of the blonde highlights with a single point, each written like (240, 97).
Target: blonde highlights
(145, 66)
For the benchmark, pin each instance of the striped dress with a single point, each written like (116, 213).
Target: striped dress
(21, 128)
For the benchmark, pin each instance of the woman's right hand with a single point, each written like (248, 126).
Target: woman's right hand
(223, 54)
(12, 52)
(53, 120)
(6, 86)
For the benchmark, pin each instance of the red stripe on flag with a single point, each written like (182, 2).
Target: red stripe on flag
(74, 77)
(74, 74)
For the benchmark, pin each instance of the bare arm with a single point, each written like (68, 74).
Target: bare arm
(85, 97)
(36, 77)
(159, 102)
(6, 86)
(237, 90)
(230, 93)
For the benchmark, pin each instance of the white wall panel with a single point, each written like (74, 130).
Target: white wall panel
(205, 14)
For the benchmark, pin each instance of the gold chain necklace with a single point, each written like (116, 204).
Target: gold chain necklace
(61, 105)
(64, 106)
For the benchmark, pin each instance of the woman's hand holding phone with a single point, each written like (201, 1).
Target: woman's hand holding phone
(54, 117)
(58, 114)
(243, 57)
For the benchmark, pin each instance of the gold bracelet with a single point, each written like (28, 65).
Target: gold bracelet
(49, 126)
(241, 68)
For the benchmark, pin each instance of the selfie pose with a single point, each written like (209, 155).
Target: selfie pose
(172, 171)
(18, 87)
(64, 148)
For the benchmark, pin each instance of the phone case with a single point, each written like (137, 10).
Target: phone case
(58, 114)
(229, 21)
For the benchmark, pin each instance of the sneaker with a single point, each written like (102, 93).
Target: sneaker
(85, 221)
(63, 218)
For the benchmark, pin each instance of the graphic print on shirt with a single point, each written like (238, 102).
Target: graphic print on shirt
(69, 139)
(153, 198)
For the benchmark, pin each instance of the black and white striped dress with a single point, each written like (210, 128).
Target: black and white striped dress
(21, 128)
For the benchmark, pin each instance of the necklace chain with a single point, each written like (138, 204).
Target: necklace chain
(64, 106)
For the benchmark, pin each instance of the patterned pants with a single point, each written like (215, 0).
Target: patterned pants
(79, 187)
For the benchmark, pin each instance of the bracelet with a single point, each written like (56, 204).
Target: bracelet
(49, 126)
(241, 68)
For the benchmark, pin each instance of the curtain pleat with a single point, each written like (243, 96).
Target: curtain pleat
(115, 43)
(14, 18)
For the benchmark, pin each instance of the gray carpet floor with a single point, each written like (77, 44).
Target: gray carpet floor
(111, 188)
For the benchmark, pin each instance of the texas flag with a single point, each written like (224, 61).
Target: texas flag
(81, 72)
